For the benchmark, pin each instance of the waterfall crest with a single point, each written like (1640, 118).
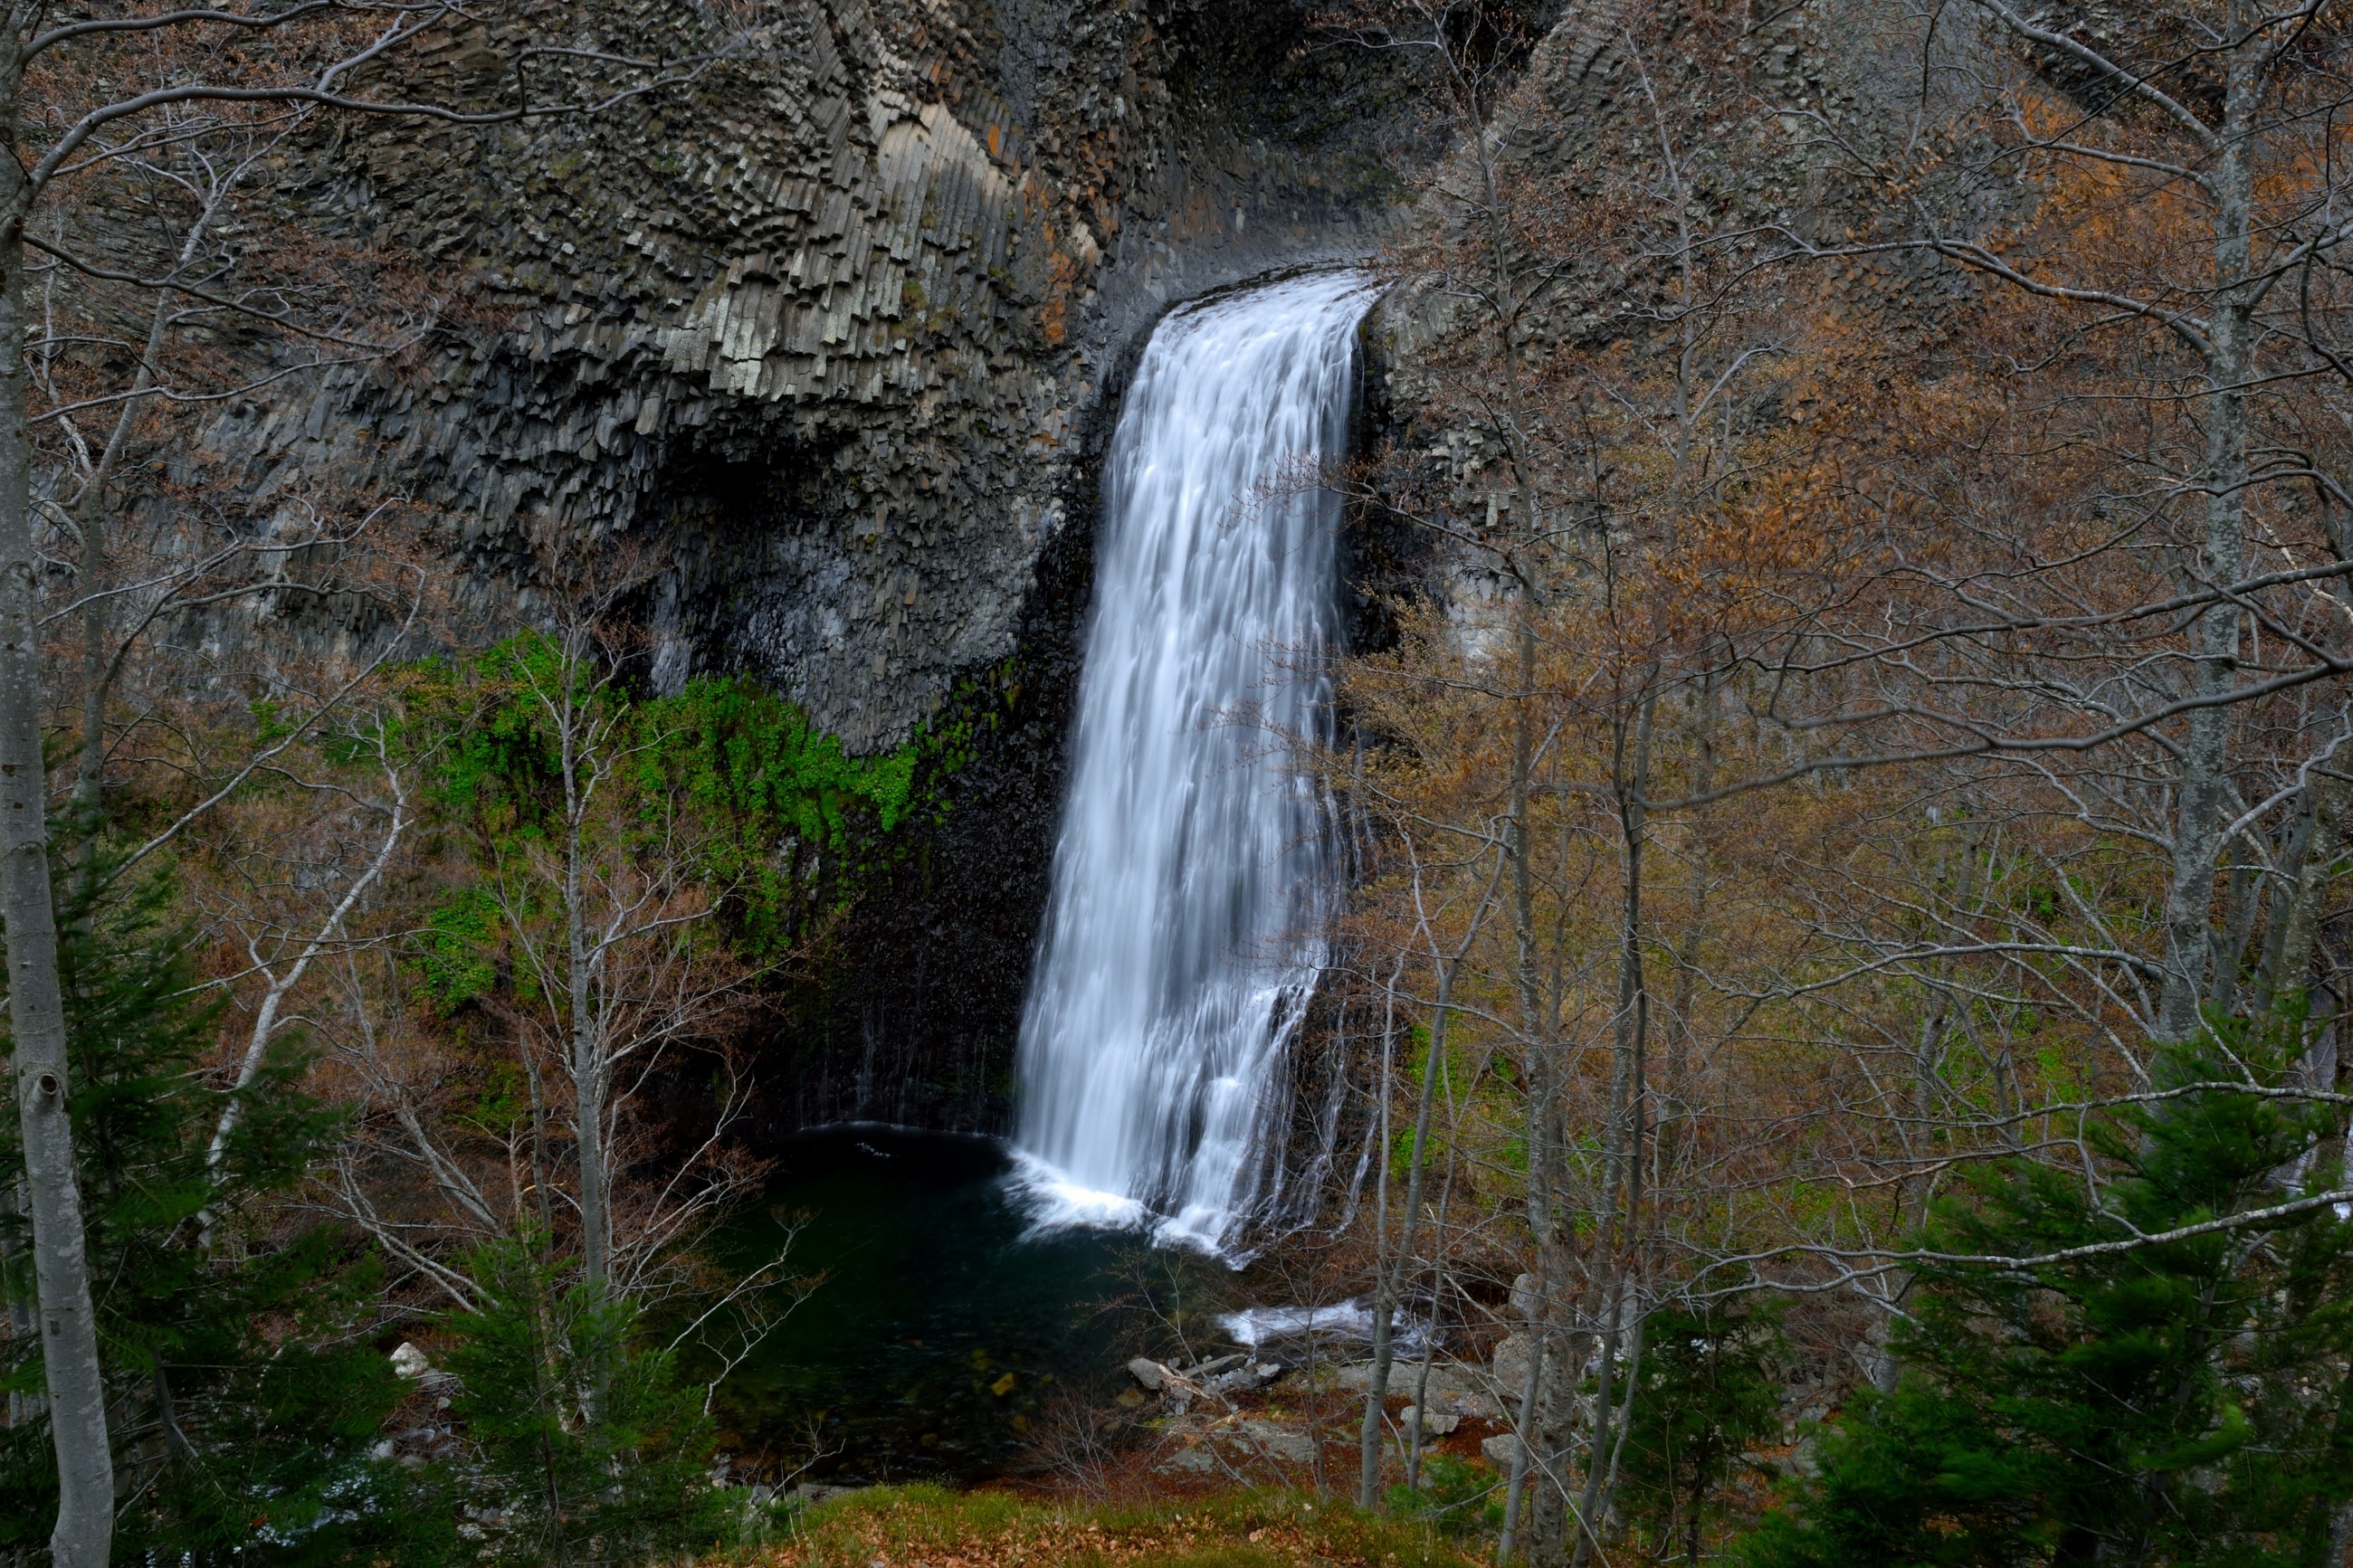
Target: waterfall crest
(1193, 879)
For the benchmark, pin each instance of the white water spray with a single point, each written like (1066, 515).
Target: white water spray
(1194, 877)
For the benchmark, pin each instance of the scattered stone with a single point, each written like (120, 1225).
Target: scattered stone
(1440, 1422)
(1508, 1375)
(1192, 1461)
(1455, 1389)
(1250, 1376)
(409, 1362)
(1284, 1443)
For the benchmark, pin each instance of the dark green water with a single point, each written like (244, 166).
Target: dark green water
(942, 1332)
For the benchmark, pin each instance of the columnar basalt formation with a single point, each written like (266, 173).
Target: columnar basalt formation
(831, 327)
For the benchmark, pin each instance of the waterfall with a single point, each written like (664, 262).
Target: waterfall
(1193, 880)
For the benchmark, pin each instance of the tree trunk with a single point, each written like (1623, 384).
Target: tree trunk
(1523, 1427)
(587, 1076)
(2291, 966)
(89, 514)
(1385, 1301)
(85, 1526)
(588, 1066)
(2205, 760)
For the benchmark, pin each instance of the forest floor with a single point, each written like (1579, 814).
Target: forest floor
(928, 1527)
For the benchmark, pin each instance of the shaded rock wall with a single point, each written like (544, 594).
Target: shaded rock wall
(829, 326)
(838, 330)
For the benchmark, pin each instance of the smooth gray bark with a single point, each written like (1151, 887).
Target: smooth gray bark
(1385, 1301)
(85, 1528)
(589, 1068)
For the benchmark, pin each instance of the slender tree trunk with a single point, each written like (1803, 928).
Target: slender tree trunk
(2291, 966)
(588, 1085)
(1385, 1302)
(1524, 1425)
(1414, 1444)
(85, 1526)
(1621, 1197)
(90, 514)
(540, 1181)
(2205, 760)
(588, 1065)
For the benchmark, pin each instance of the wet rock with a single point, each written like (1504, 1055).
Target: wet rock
(1247, 1376)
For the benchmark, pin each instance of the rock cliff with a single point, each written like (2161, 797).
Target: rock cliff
(834, 326)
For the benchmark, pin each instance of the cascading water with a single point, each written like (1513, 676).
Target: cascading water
(1193, 877)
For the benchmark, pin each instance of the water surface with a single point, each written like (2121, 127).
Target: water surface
(942, 1328)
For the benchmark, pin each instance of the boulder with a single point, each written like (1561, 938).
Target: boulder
(1149, 1372)
(1508, 1375)
(1248, 1375)
(1280, 1442)
(1453, 1388)
(1435, 1423)
(1192, 1461)
(1501, 1450)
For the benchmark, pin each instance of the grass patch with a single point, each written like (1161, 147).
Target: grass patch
(928, 1527)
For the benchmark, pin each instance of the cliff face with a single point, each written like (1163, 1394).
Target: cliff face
(838, 330)
(834, 326)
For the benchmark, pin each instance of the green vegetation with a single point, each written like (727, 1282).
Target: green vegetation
(1456, 1497)
(1245, 1530)
(233, 1327)
(243, 1328)
(1709, 1389)
(2148, 1404)
(788, 828)
(588, 1450)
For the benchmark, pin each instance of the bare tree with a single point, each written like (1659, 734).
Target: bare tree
(62, 121)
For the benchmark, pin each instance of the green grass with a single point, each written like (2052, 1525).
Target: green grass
(927, 1526)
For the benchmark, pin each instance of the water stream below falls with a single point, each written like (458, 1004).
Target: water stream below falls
(1193, 879)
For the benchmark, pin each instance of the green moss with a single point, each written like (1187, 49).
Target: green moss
(1241, 1529)
(788, 826)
